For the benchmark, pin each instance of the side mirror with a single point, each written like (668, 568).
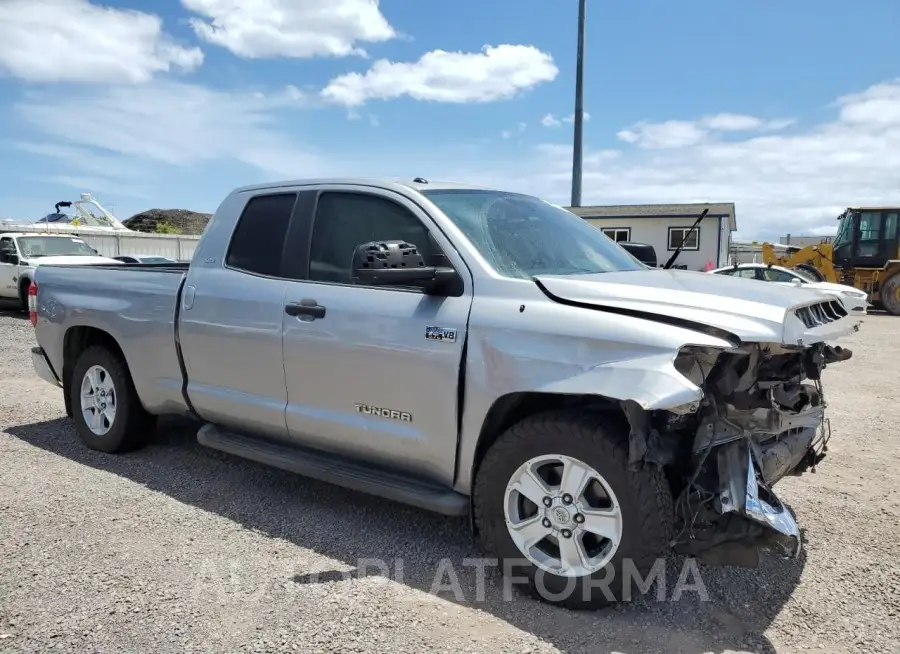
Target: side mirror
(398, 263)
(796, 282)
(10, 258)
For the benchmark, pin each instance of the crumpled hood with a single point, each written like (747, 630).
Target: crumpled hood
(76, 259)
(751, 310)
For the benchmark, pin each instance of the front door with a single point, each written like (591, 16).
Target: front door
(366, 377)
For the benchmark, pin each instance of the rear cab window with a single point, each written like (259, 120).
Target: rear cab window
(258, 240)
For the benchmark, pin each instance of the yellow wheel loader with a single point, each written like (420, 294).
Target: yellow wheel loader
(865, 253)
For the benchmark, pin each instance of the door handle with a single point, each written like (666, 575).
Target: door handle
(305, 307)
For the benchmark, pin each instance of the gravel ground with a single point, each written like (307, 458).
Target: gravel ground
(177, 548)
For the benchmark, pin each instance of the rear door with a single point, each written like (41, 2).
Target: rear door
(230, 327)
(363, 378)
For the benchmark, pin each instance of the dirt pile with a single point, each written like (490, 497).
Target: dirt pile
(168, 221)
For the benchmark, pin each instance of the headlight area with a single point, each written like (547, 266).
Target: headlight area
(761, 418)
(857, 294)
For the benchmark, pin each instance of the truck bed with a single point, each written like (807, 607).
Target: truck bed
(137, 304)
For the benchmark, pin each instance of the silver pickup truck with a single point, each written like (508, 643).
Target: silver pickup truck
(471, 352)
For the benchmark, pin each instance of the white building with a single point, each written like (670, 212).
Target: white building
(664, 226)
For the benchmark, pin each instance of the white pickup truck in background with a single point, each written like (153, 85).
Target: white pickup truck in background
(469, 351)
(20, 254)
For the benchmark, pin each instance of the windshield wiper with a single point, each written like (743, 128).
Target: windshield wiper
(684, 239)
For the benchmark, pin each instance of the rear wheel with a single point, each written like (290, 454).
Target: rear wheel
(108, 415)
(556, 502)
(890, 295)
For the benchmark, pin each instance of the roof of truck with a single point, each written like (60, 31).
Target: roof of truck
(417, 184)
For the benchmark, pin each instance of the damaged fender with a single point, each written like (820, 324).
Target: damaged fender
(650, 383)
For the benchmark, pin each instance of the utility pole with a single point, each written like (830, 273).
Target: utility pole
(579, 110)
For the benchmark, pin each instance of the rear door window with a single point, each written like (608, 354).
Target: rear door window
(258, 240)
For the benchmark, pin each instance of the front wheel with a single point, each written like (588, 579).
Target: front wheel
(108, 414)
(556, 502)
(890, 295)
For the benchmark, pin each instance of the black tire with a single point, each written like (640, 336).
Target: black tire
(890, 295)
(23, 294)
(132, 425)
(643, 495)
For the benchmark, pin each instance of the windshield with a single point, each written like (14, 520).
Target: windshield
(53, 246)
(845, 230)
(522, 236)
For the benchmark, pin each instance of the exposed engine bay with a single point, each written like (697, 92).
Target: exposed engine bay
(761, 418)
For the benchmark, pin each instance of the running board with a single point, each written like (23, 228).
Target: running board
(338, 471)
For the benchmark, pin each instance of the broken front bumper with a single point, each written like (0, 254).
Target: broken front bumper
(742, 494)
(742, 454)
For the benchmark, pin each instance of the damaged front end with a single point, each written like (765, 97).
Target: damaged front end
(761, 418)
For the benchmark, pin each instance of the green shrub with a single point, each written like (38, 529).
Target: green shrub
(167, 228)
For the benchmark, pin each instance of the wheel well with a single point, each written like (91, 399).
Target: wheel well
(24, 283)
(510, 409)
(76, 341)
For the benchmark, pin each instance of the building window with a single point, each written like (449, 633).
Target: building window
(618, 234)
(677, 234)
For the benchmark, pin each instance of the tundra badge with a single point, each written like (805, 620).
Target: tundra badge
(381, 412)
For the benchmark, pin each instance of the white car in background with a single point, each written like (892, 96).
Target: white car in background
(21, 254)
(855, 300)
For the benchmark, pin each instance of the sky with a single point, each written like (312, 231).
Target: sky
(791, 110)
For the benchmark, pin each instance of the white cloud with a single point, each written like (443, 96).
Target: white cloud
(686, 133)
(731, 122)
(794, 182)
(172, 123)
(571, 119)
(509, 133)
(76, 41)
(264, 29)
(495, 73)
(552, 121)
